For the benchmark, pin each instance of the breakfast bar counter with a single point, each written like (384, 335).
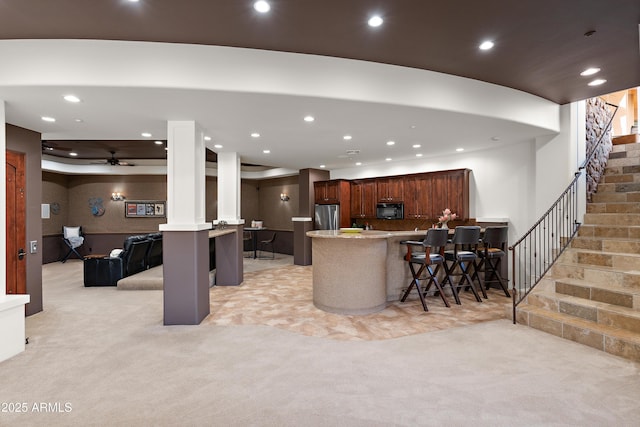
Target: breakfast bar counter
(358, 272)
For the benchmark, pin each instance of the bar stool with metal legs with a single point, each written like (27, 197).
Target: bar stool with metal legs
(434, 244)
(463, 255)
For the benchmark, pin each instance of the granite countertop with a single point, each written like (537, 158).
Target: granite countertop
(365, 234)
(221, 232)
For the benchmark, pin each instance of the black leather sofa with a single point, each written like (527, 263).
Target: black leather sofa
(139, 253)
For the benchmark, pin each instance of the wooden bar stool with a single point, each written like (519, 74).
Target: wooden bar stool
(494, 244)
(434, 244)
(464, 255)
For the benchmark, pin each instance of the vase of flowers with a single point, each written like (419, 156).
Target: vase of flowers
(445, 218)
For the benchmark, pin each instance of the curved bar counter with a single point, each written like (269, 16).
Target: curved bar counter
(357, 273)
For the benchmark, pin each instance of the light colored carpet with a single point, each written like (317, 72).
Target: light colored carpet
(106, 354)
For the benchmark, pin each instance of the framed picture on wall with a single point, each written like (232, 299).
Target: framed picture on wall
(145, 209)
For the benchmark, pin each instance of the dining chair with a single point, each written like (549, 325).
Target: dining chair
(434, 244)
(266, 244)
(247, 241)
(464, 256)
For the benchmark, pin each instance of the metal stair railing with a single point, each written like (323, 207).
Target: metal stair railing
(535, 252)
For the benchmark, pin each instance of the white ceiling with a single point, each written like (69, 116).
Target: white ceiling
(126, 89)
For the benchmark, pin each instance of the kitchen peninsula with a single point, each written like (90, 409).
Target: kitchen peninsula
(357, 273)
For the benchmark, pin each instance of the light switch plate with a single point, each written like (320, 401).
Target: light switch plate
(33, 245)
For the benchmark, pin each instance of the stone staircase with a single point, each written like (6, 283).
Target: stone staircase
(591, 295)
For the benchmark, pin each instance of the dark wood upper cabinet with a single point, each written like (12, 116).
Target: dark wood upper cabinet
(418, 200)
(426, 195)
(330, 192)
(363, 198)
(390, 189)
(450, 189)
(335, 192)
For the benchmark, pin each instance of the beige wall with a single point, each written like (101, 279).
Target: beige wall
(260, 200)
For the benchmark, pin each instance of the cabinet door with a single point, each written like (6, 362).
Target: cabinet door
(417, 197)
(356, 199)
(363, 199)
(390, 189)
(332, 192)
(458, 192)
(451, 190)
(319, 192)
(326, 192)
(369, 199)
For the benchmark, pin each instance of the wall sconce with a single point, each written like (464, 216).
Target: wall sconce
(117, 197)
(284, 197)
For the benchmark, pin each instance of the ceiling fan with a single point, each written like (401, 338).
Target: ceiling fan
(113, 161)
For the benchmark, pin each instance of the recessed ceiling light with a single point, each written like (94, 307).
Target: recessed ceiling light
(266, 151)
(486, 45)
(375, 21)
(495, 138)
(358, 163)
(419, 155)
(48, 119)
(590, 71)
(459, 149)
(217, 146)
(391, 143)
(207, 138)
(323, 166)
(158, 142)
(71, 98)
(388, 159)
(347, 137)
(146, 134)
(597, 82)
(134, 1)
(262, 6)
(309, 119)
(416, 145)
(73, 154)
(78, 120)
(255, 135)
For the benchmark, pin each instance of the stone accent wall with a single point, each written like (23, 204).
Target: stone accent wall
(599, 115)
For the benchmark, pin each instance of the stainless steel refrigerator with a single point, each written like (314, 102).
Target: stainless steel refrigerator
(327, 217)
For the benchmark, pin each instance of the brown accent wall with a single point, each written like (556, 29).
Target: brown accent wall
(260, 200)
(28, 142)
(276, 213)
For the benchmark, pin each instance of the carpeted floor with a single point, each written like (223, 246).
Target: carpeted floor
(99, 356)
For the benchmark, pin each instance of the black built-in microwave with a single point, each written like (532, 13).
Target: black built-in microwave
(390, 211)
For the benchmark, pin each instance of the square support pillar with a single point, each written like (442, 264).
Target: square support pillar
(185, 257)
(229, 267)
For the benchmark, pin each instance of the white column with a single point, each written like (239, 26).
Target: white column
(186, 195)
(229, 188)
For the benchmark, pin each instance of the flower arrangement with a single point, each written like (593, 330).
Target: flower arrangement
(446, 217)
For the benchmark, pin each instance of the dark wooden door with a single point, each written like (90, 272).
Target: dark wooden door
(16, 224)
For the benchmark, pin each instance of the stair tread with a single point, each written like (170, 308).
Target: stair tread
(599, 252)
(594, 267)
(618, 309)
(606, 330)
(609, 286)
